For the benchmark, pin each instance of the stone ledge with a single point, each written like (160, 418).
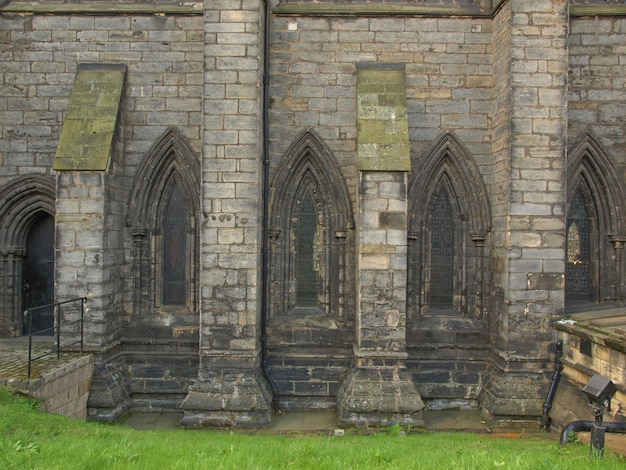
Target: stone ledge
(379, 397)
(606, 328)
(384, 9)
(103, 8)
(597, 10)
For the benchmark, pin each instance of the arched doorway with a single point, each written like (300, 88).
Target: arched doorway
(38, 274)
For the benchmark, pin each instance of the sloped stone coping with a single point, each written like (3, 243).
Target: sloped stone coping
(594, 342)
(424, 10)
(105, 8)
(605, 327)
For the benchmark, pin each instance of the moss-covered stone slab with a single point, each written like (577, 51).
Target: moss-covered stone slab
(91, 119)
(458, 8)
(104, 7)
(382, 120)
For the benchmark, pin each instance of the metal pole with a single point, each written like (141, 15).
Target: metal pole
(82, 319)
(57, 320)
(30, 338)
(596, 449)
(266, 211)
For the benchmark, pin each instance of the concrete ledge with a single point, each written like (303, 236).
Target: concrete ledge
(593, 343)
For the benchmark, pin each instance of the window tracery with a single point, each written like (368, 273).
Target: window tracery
(577, 270)
(307, 252)
(175, 250)
(162, 215)
(310, 220)
(442, 252)
(594, 228)
(449, 220)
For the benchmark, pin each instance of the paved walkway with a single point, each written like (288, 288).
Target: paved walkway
(14, 357)
(319, 421)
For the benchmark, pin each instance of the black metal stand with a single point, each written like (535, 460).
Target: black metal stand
(596, 444)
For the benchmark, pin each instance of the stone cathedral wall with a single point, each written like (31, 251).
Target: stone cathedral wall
(42, 45)
(515, 87)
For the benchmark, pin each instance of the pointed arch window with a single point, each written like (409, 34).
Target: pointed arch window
(176, 228)
(449, 219)
(577, 269)
(595, 235)
(441, 252)
(307, 252)
(162, 215)
(309, 225)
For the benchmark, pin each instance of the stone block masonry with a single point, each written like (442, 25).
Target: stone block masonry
(161, 46)
(596, 95)
(486, 101)
(529, 217)
(538, 149)
(88, 251)
(379, 390)
(230, 389)
(163, 54)
(382, 262)
(63, 389)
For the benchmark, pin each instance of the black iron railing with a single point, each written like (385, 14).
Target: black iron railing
(76, 326)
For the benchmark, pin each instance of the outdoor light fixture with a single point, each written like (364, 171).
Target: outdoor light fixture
(599, 391)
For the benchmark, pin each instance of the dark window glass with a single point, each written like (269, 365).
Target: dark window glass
(175, 255)
(306, 253)
(442, 252)
(577, 278)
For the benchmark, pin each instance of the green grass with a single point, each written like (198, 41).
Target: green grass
(32, 439)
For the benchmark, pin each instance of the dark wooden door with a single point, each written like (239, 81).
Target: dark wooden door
(38, 275)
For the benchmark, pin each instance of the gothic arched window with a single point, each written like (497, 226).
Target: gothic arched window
(163, 210)
(311, 274)
(577, 269)
(449, 220)
(175, 231)
(441, 252)
(307, 252)
(594, 270)
(309, 224)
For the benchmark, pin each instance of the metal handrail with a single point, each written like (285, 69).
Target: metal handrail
(56, 329)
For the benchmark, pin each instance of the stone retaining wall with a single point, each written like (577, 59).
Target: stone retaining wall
(593, 343)
(64, 390)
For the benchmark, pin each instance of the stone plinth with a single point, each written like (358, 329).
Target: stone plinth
(379, 392)
(228, 393)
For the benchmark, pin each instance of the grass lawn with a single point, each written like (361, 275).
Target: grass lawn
(32, 439)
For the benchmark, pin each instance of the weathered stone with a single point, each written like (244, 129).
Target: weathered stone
(380, 117)
(368, 398)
